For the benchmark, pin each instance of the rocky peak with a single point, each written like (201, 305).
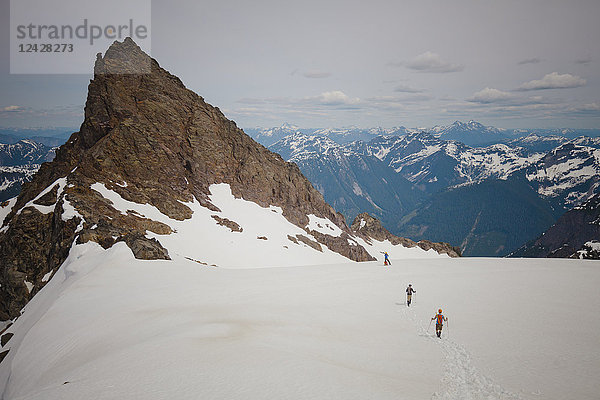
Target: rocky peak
(152, 141)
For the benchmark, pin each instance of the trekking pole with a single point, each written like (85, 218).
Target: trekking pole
(429, 325)
(448, 324)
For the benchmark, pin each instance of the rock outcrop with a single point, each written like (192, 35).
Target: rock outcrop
(572, 236)
(368, 228)
(152, 141)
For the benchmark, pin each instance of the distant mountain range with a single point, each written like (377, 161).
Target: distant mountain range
(488, 200)
(18, 163)
(178, 182)
(435, 184)
(52, 137)
(22, 151)
(471, 133)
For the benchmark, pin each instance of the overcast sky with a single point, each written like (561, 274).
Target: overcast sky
(417, 63)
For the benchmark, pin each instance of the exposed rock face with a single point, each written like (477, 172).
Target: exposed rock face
(228, 223)
(369, 228)
(151, 140)
(589, 251)
(572, 235)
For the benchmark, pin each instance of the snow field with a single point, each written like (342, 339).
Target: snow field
(108, 326)
(527, 325)
(134, 329)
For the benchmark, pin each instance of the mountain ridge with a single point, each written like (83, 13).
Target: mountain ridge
(573, 235)
(155, 167)
(150, 140)
(561, 172)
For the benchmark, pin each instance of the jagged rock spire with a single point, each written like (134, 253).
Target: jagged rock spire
(151, 140)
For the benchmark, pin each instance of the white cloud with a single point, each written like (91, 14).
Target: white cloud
(12, 108)
(490, 95)
(497, 98)
(335, 97)
(432, 62)
(331, 98)
(554, 81)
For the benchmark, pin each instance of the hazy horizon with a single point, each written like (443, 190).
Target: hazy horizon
(75, 128)
(510, 65)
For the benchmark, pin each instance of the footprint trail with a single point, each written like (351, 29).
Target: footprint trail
(460, 380)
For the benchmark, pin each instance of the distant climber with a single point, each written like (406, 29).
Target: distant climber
(439, 323)
(409, 293)
(386, 261)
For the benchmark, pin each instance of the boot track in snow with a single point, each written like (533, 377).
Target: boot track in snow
(460, 380)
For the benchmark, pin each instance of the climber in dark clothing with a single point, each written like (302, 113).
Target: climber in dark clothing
(409, 293)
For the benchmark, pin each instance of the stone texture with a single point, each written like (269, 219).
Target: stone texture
(309, 242)
(3, 355)
(49, 198)
(5, 338)
(144, 248)
(228, 223)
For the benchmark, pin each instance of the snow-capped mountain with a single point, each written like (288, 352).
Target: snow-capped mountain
(155, 167)
(541, 185)
(534, 143)
(300, 146)
(148, 250)
(49, 136)
(569, 174)
(348, 135)
(25, 152)
(268, 136)
(13, 178)
(433, 164)
(18, 163)
(471, 133)
(593, 142)
(352, 182)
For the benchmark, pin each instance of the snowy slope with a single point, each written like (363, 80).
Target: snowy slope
(109, 326)
(264, 237)
(570, 171)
